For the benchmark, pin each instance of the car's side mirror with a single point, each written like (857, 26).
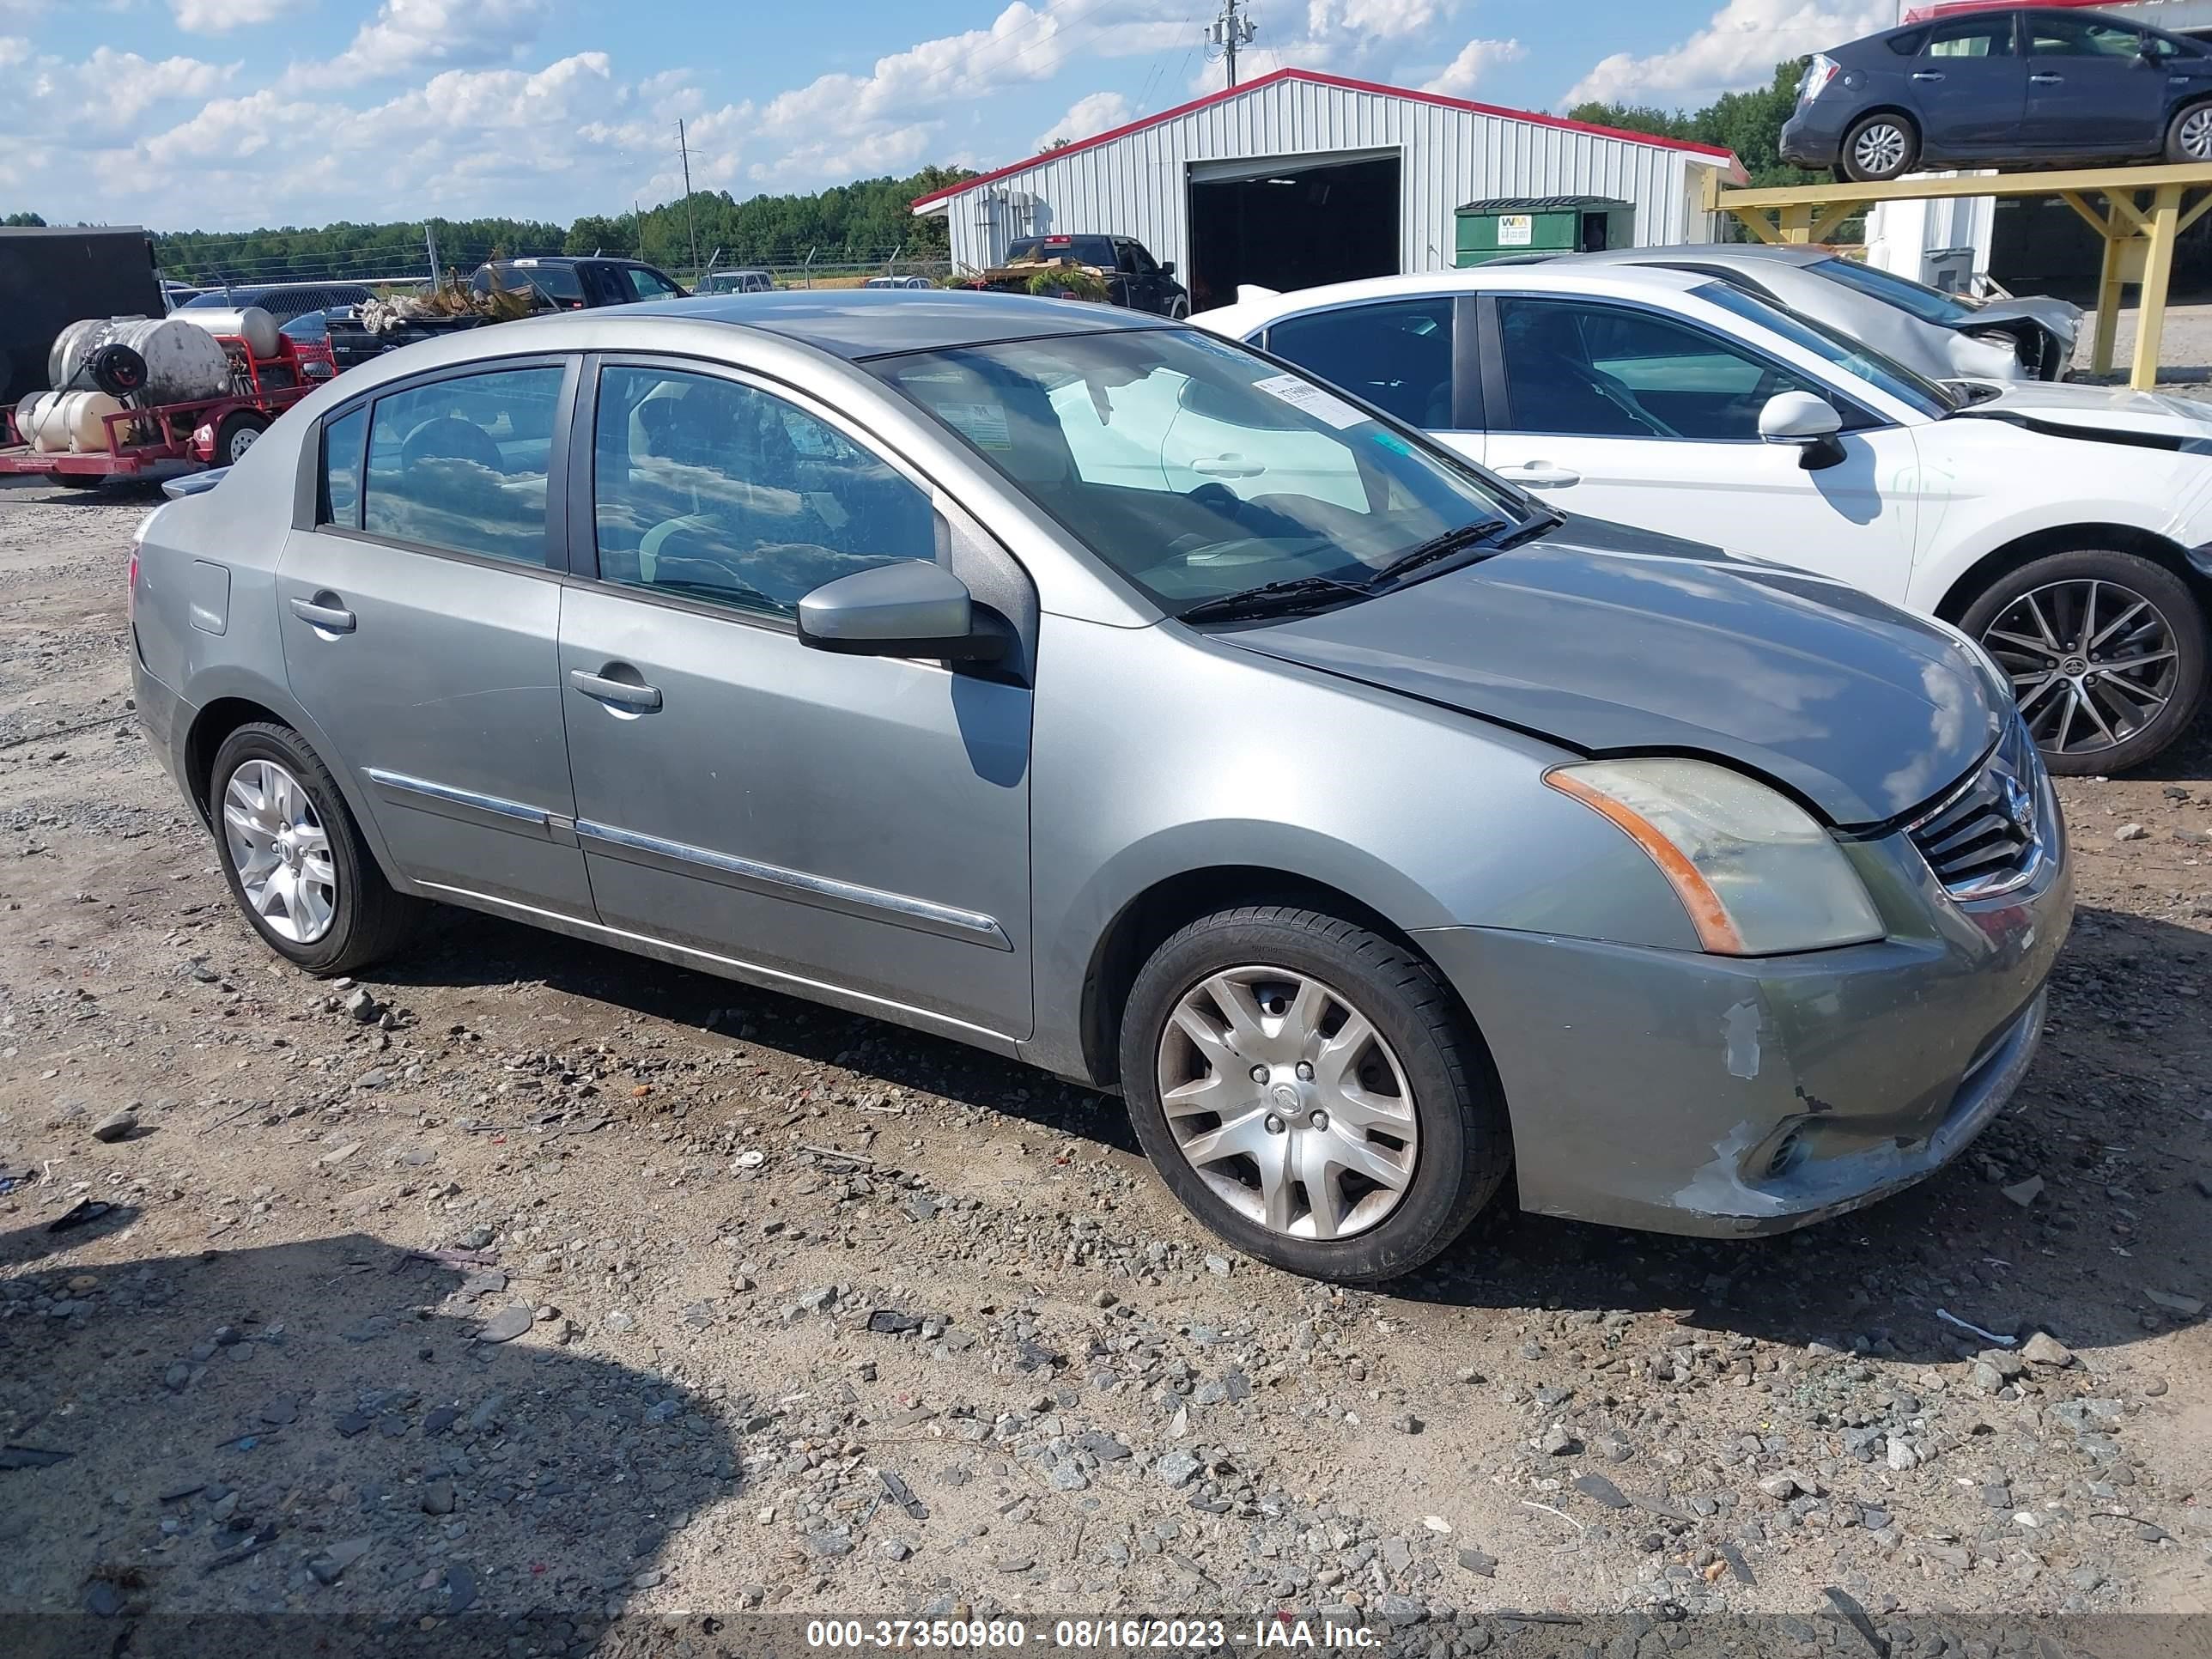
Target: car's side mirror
(1167, 267)
(911, 608)
(1808, 422)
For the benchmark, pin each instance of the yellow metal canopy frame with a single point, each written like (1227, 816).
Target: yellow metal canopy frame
(2138, 235)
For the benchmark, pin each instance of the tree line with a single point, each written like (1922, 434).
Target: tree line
(1748, 123)
(859, 223)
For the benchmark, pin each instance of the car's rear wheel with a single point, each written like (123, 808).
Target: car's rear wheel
(1879, 146)
(294, 858)
(1312, 1092)
(2188, 134)
(2106, 652)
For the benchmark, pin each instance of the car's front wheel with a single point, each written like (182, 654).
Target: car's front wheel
(2106, 652)
(294, 858)
(2188, 134)
(1880, 147)
(1312, 1092)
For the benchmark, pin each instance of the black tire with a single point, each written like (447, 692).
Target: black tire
(239, 430)
(2188, 134)
(371, 920)
(1464, 1145)
(2177, 608)
(80, 480)
(1897, 160)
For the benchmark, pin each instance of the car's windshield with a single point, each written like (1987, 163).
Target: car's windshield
(559, 283)
(1915, 391)
(1197, 469)
(1930, 305)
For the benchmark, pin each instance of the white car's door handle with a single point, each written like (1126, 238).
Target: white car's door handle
(1541, 474)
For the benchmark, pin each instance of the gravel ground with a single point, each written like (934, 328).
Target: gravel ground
(533, 1282)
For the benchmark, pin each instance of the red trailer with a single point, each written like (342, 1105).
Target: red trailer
(161, 438)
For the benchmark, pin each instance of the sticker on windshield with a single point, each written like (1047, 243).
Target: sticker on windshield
(983, 425)
(1393, 442)
(1324, 406)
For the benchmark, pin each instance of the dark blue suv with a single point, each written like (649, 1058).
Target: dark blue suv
(2002, 88)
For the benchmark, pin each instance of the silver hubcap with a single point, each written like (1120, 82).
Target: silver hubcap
(1879, 149)
(2093, 664)
(281, 852)
(1288, 1102)
(2197, 133)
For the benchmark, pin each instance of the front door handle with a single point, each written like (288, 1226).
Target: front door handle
(1541, 474)
(623, 693)
(331, 619)
(2046, 80)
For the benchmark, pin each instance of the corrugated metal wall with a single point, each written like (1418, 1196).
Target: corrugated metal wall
(1136, 186)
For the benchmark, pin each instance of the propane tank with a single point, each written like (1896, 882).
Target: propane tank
(248, 323)
(64, 422)
(183, 363)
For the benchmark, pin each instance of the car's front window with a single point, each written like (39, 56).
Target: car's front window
(1194, 468)
(1929, 304)
(1918, 392)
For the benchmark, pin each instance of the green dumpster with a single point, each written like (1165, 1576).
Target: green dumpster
(1518, 225)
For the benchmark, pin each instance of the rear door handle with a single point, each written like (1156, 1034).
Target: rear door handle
(623, 693)
(2046, 80)
(331, 619)
(1541, 474)
(1926, 74)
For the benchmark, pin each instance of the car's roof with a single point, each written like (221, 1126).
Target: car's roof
(1616, 280)
(856, 322)
(1711, 252)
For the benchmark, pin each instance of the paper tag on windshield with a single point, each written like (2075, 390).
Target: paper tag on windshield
(1323, 406)
(983, 425)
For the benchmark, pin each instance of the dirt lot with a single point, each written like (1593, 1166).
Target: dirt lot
(531, 1278)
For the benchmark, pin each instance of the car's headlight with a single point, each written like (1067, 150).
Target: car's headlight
(1757, 874)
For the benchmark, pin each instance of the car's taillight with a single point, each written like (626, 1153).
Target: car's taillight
(1817, 73)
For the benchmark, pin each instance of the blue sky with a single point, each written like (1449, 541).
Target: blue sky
(225, 114)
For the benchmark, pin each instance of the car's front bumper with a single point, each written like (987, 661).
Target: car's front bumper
(1688, 1093)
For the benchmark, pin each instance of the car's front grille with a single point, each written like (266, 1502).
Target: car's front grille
(1987, 836)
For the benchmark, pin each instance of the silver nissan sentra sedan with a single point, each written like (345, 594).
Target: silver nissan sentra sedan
(1101, 693)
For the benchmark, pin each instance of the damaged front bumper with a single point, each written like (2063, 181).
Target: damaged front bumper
(1686, 1093)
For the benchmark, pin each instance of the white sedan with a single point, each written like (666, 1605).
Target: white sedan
(2064, 527)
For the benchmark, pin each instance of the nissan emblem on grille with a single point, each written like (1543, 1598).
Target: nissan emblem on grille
(1982, 839)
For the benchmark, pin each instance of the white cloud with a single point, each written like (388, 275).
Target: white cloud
(1376, 20)
(410, 34)
(101, 99)
(221, 16)
(1476, 59)
(1739, 48)
(1093, 113)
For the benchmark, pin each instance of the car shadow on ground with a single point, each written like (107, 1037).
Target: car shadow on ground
(324, 1447)
(1873, 1279)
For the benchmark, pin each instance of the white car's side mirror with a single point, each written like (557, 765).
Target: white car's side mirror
(1811, 423)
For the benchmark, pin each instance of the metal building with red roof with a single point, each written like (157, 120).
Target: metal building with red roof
(1299, 178)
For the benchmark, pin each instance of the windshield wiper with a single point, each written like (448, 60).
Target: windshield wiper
(1281, 599)
(1435, 548)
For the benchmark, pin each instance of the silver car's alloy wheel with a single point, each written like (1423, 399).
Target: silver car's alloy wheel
(281, 851)
(2196, 133)
(1288, 1102)
(1879, 149)
(2093, 663)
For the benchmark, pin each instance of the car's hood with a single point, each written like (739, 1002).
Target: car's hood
(2099, 410)
(2062, 316)
(1612, 641)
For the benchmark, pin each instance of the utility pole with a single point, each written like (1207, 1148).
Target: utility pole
(1229, 32)
(430, 241)
(689, 218)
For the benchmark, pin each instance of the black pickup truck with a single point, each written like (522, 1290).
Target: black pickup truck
(549, 283)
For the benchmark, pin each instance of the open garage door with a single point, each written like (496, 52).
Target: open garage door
(1290, 223)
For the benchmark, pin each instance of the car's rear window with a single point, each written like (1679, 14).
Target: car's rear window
(557, 282)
